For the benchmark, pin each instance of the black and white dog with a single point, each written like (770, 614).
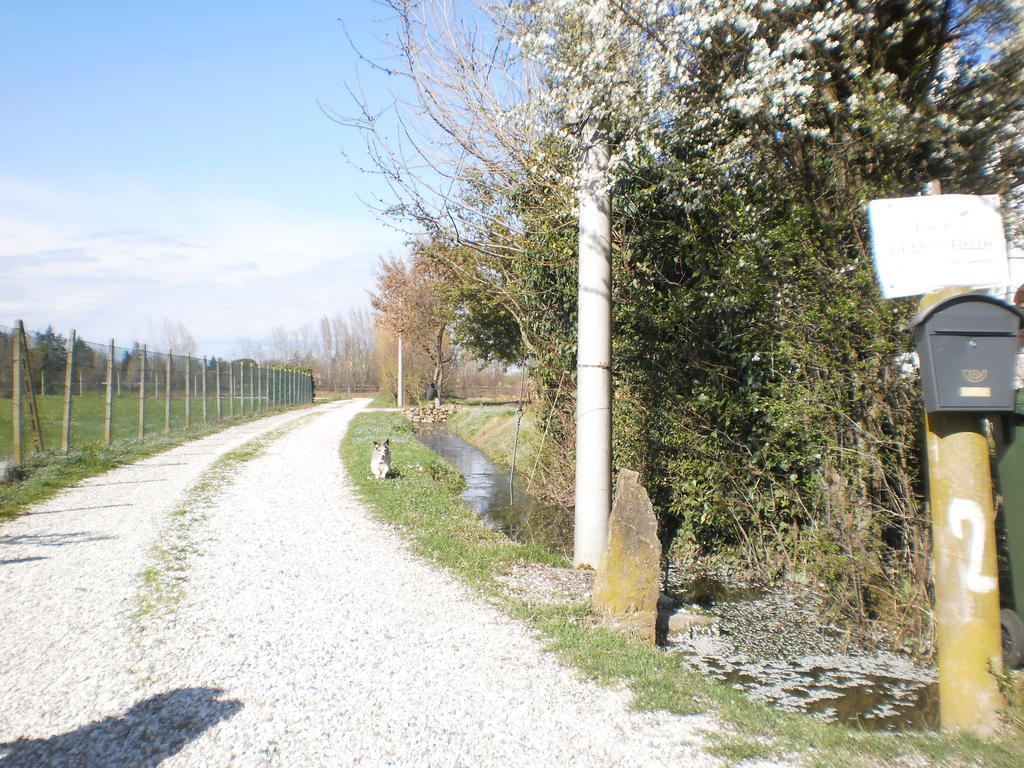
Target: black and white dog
(380, 462)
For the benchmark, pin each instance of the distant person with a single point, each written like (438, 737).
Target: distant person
(432, 394)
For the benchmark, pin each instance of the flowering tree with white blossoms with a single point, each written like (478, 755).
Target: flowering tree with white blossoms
(755, 385)
(749, 135)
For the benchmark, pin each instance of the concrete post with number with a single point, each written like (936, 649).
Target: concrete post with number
(967, 630)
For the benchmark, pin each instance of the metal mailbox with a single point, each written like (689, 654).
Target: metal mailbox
(968, 347)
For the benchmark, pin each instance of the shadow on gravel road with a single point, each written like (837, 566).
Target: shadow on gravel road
(53, 539)
(17, 560)
(143, 737)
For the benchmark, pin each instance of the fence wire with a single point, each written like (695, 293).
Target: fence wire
(106, 393)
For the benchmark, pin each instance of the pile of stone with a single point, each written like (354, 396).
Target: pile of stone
(430, 414)
(8, 472)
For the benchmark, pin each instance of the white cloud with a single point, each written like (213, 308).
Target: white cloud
(113, 264)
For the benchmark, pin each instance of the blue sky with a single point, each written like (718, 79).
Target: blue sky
(171, 162)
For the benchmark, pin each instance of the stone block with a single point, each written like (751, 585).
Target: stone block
(628, 580)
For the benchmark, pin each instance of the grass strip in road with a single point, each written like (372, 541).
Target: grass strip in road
(422, 499)
(162, 582)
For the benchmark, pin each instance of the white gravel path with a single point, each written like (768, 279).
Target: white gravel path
(308, 635)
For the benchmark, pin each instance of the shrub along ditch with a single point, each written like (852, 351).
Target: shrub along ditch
(421, 497)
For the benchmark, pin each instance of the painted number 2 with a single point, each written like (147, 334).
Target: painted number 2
(963, 511)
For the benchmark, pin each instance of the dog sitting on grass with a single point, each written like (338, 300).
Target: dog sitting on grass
(380, 462)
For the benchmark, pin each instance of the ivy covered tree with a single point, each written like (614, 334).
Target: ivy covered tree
(754, 362)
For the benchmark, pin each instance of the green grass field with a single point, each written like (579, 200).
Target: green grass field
(88, 413)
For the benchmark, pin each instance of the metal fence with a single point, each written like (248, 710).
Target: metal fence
(57, 391)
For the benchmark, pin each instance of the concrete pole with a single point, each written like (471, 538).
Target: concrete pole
(968, 636)
(594, 355)
(401, 374)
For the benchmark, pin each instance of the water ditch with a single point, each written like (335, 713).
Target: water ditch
(771, 644)
(506, 508)
(768, 641)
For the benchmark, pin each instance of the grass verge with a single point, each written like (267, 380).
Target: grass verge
(492, 429)
(422, 500)
(47, 473)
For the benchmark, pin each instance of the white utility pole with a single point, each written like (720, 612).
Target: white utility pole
(594, 355)
(401, 374)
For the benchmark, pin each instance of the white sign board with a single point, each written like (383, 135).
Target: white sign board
(924, 243)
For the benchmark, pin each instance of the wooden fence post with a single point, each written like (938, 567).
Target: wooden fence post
(108, 415)
(167, 393)
(231, 390)
(33, 405)
(188, 390)
(205, 407)
(220, 405)
(69, 383)
(142, 393)
(17, 382)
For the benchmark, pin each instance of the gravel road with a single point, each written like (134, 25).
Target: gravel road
(306, 633)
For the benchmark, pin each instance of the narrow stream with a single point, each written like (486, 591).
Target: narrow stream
(770, 643)
(514, 512)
